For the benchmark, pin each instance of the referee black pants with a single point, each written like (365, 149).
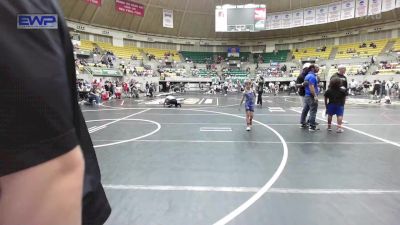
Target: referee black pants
(259, 99)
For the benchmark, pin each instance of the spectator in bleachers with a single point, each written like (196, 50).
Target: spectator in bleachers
(363, 45)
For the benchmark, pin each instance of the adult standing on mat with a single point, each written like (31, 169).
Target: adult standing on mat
(302, 91)
(341, 75)
(249, 98)
(49, 173)
(311, 98)
(260, 90)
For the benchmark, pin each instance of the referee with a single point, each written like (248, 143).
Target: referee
(49, 174)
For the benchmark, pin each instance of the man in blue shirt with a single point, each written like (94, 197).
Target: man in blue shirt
(311, 97)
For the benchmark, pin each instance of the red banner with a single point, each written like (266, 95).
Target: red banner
(94, 2)
(130, 7)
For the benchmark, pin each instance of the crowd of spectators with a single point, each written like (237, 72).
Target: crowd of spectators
(103, 90)
(275, 70)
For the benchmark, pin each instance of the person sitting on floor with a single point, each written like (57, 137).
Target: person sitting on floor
(171, 100)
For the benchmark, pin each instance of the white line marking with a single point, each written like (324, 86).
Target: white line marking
(97, 129)
(136, 138)
(201, 101)
(217, 102)
(92, 128)
(208, 101)
(362, 132)
(250, 190)
(286, 100)
(215, 129)
(117, 120)
(241, 124)
(122, 103)
(180, 188)
(276, 109)
(232, 215)
(255, 142)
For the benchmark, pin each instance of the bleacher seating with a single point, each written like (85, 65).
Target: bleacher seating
(367, 51)
(312, 53)
(160, 53)
(245, 55)
(206, 73)
(86, 45)
(279, 56)
(388, 71)
(236, 73)
(197, 57)
(396, 46)
(120, 52)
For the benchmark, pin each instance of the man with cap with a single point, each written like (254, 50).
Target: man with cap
(311, 97)
(301, 89)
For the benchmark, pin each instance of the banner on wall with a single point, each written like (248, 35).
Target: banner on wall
(129, 6)
(297, 18)
(168, 18)
(260, 15)
(94, 2)
(276, 22)
(309, 16)
(221, 20)
(268, 22)
(321, 14)
(361, 8)
(388, 5)
(375, 7)
(334, 12)
(348, 9)
(286, 20)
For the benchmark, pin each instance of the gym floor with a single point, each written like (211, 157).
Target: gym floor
(197, 164)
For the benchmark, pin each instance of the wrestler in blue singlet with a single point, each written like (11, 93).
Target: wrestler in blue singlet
(249, 100)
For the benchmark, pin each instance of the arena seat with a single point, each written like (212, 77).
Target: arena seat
(388, 71)
(342, 52)
(160, 53)
(86, 45)
(396, 46)
(312, 53)
(197, 57)
(205, 73)
(120, 52)
(279, 56)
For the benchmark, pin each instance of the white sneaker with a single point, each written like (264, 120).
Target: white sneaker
(339, 130)
(248, 129)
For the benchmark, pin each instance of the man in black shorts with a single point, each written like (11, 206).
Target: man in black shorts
(49, 173)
